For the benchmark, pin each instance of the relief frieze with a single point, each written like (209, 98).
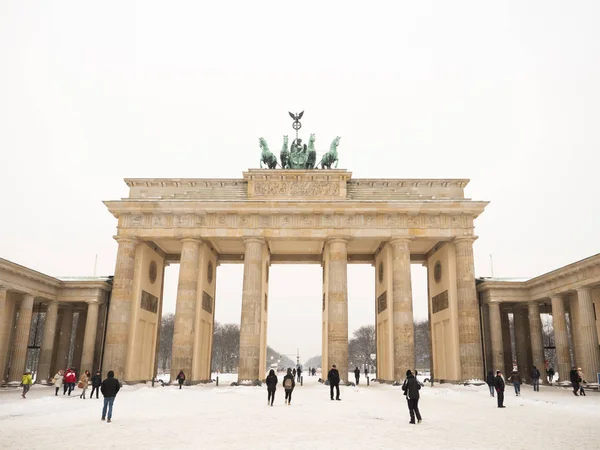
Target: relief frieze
(296, 189)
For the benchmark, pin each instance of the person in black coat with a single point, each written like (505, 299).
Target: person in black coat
(499, 385)
(109, 388)
(490, 382)
(96, 383)
(334, 381)
(357, 374)
(535, 378)
(411, 389)
(271, 386)
(289, 384)
(180, 378)
(575, 380)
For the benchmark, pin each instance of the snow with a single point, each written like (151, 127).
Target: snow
(225, 417)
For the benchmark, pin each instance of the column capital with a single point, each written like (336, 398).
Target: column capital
(334, 240)
(197, 240)
(584, 289)
(3, 289)
(557, 296)
(255, 239)
(126, 239)
(94, 302)
(27, 296)
(400, 240)
(464, 239)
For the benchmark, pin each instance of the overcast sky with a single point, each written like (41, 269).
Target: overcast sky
(504, 93)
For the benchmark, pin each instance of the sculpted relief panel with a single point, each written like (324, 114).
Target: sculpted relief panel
(296, 189)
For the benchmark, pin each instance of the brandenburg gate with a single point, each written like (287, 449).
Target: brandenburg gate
(305, 216)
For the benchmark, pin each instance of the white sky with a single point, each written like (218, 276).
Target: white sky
(503, 93)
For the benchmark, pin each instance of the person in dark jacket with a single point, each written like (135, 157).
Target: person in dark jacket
(299, 374)
(334, 381)
(411, 389)
(515, 377)
(294, 372)
(535, 378)
(499, 385)
(575, 380)
(180, 378)
(96, 383)
(357, 374)
(289, 384)
(271, 386)
(550, 374)
(109, 388)
(490, 382)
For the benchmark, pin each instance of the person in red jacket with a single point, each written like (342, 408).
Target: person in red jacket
(70, 380)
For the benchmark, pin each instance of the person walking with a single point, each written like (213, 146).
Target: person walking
(575, 380)
(294, 372)
(271, 386)
(516, 381)
(333, 376)
(581, 378)
(357, 374)
(289, 384)
(314, 371)
(26, 382)
(180, 378)
(96, 383)
(550, 374)
(411, 389)
(367, 374)
(109, 388)
(84, 381)
(58, 381)
(299, 374)
(499, 385)
(69, 380)
(535, 377)
(490, 382)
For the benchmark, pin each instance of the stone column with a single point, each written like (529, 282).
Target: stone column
(6, 317)
(64, 337)
(587, 354)
(561, 338)
(78, 342)
(537, 341)
(117, 330)
(185, 309)
(249, 367)
(19, 356)
(89, 337)
(402, 312)
(48, 342)
(506, 343)
(337, 307)
(496, 336)
(522, 342)
(469, 333)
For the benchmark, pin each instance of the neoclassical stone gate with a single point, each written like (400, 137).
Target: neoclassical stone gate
(294, 216)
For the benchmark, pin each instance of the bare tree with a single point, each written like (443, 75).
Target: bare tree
(165, 344)
(226, 347)
(361, 346)
(422, 345)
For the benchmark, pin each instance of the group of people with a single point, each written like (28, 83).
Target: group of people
(576, 376)
(66, 380)
(312, 371)
(357, 374)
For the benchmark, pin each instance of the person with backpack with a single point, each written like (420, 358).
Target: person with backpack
(289, 384)
(271, 386)
(96, 383)
(109, 388)
(535, 378)
(411, 389)
(180, 378)
(515, 377)
(333, 376)
(357, 374)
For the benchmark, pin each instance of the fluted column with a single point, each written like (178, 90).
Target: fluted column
(537, 341)
(469, 333)
(522, 341)
(117, 330)
(6, 317)
(249, 366)
(506, 343)
(89, 337)
(64, 337)
(402, 311)
(561, 338)
(496, 336)
(21, 341)
(78, 342)
(47, 342)
(586, 341)
(185, 309)
(337, 306)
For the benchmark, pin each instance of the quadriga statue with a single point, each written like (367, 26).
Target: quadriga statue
(331, 156)
(267, 157)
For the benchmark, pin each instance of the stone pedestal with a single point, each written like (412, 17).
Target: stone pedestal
(537, 342)
(249, 365)
(337, 307)
(561, 338)
(47, 342)
(117, 331)
(402, 313)
(89, 338)
(469, 333)
(185, 309)
(21, 341)
(522, 341)
(496, 337)
(587, 353)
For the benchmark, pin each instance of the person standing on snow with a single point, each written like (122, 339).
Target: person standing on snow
(109, 388)
(26, 382)
(411, 389)
(490, 382)
(271, 386)
(581, 378)
(69, 381)
(357, 374)
(499, 385)
(96, 383)
(575, 380)
(84, 382)
(289, 384)
(334, 381)
(180, 378)
(58, 381)
(535, 377)
(299, 373)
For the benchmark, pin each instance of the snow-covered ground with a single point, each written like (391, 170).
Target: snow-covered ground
(224, 417)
